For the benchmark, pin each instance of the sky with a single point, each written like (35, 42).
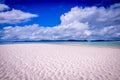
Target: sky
(59, 20)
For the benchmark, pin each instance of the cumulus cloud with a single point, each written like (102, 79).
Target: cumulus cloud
(96, 17)
(3, 7)
(13, 16)
(79, 24)
(35, 32)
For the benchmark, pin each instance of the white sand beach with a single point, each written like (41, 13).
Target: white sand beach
(58, 62)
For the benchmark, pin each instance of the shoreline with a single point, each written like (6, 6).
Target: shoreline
(65, 44)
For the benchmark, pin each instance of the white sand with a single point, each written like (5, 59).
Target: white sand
(58, 62)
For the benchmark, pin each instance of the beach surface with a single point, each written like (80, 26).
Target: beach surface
(58, 62)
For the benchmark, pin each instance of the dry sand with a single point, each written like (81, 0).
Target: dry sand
(58, 62)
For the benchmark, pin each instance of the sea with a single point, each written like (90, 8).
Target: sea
(87, 43)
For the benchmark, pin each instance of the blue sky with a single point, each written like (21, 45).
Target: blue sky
(59, 19)
(49, 11)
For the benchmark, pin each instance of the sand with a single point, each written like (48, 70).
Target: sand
(58, 62)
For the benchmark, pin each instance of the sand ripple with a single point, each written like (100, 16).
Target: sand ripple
(58, 62)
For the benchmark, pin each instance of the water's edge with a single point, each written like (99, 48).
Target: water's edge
(103, 43)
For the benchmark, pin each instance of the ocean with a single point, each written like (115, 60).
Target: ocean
(101, 43)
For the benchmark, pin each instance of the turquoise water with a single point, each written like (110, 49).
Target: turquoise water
(109, 43)
(115, 43)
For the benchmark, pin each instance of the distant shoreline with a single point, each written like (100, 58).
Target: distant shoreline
(59, 40)
(55, 41)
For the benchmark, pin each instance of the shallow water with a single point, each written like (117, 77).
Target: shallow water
(112, 43)
(106, 43)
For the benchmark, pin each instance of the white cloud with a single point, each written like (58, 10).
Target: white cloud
(13, 16)
(96, 17)
(36, 32)
(79, 23)
(3, 7)
(107, 32)
(77, 14)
